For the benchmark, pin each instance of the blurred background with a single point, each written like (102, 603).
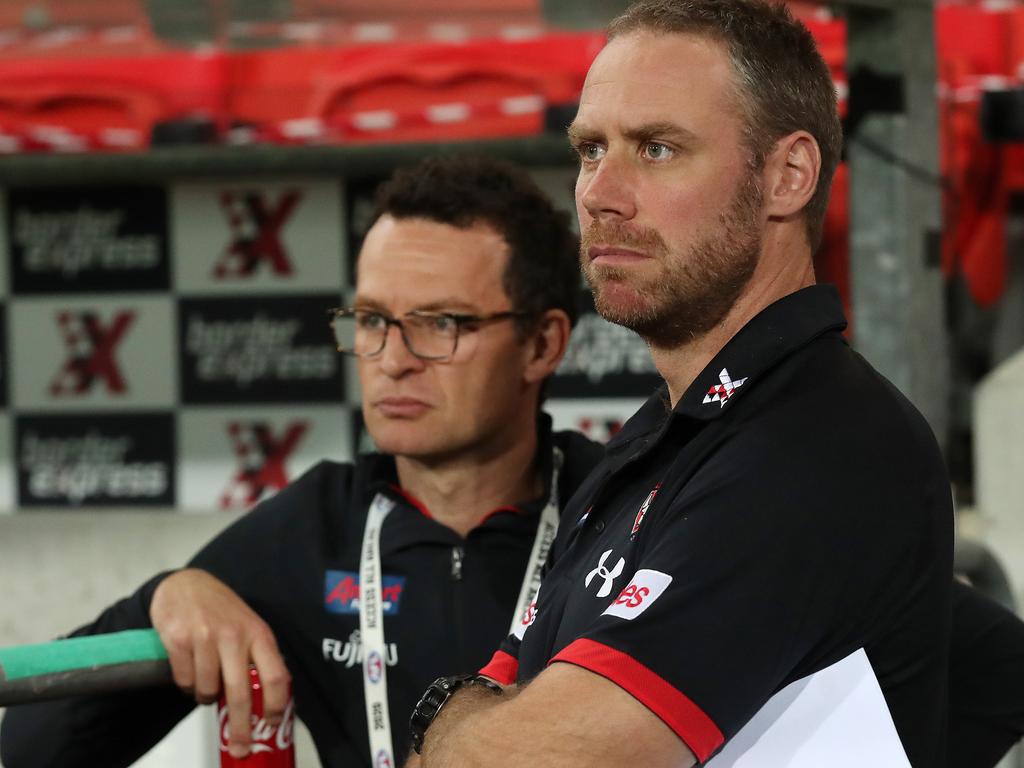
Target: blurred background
(184, 183)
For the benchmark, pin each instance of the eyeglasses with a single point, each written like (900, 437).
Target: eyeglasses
(428, 335)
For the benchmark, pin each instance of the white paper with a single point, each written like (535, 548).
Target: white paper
(836, 717)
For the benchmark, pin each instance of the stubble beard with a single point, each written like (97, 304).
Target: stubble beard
(691, 294)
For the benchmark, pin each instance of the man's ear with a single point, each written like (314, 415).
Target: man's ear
(546, 345)
(791, 175)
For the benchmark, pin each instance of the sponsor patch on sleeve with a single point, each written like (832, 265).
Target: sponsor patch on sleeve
(645, 587)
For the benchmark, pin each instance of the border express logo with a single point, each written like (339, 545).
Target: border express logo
(261, 458)
(90, 347)
(256, 228)
(341, 593)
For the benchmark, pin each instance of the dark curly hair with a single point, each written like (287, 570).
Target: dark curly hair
(461, 190)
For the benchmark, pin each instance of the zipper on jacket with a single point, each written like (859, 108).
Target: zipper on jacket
(457, 594)
(457, 554)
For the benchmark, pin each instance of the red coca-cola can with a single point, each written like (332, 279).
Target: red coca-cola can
(270, 746)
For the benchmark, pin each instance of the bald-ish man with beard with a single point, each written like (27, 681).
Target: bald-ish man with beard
(778, 505)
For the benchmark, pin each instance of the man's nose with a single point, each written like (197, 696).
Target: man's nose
(396, 360)
(608, 191)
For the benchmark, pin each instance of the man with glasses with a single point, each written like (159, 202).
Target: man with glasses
(465, 294)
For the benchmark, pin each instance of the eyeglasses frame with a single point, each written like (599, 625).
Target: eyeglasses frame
(459, 319)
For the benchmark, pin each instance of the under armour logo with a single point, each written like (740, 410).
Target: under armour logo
(608, 576)
(90, 353)
(720, 393)
(256, 234)
(261, 458)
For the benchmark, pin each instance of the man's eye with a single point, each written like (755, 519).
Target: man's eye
(589, 152)
(370, 321)
(442, 324)
(653, 150)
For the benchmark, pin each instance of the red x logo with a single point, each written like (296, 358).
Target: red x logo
(261, 458)
(90, 353)
(256, 233)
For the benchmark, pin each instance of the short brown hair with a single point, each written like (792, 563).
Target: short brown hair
(783, 84)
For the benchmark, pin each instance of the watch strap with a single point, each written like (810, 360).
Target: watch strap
(434, 699)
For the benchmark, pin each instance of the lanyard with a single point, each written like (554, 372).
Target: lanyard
(371, 610)
(371, 633)
(546, 531)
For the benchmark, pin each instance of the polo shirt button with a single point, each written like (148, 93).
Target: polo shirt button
(599, 526)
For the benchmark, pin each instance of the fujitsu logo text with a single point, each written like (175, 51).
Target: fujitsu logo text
(350, 652)
(261, 458)
(265, 737)
(256, 228)
(90, 347)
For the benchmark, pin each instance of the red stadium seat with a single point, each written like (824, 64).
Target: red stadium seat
(407, 92)
(103, 102)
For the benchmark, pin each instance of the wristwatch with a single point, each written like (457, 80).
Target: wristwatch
(435, 697)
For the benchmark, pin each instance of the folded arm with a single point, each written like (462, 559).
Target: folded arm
(568, 716)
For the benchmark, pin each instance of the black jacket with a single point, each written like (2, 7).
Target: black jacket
(449, 603)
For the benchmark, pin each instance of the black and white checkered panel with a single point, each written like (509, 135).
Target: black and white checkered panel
(168, 347)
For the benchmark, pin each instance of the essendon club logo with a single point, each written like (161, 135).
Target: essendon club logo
(643, 511)
(90, 347)
(256, 225)
(261, 458)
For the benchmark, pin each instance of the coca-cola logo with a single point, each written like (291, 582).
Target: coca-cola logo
(263, 736)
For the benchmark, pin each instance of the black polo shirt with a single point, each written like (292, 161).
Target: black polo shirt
(792, 508)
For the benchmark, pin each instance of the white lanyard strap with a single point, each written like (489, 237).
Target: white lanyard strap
(371, 610)
(371, 633)
(546, 530)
